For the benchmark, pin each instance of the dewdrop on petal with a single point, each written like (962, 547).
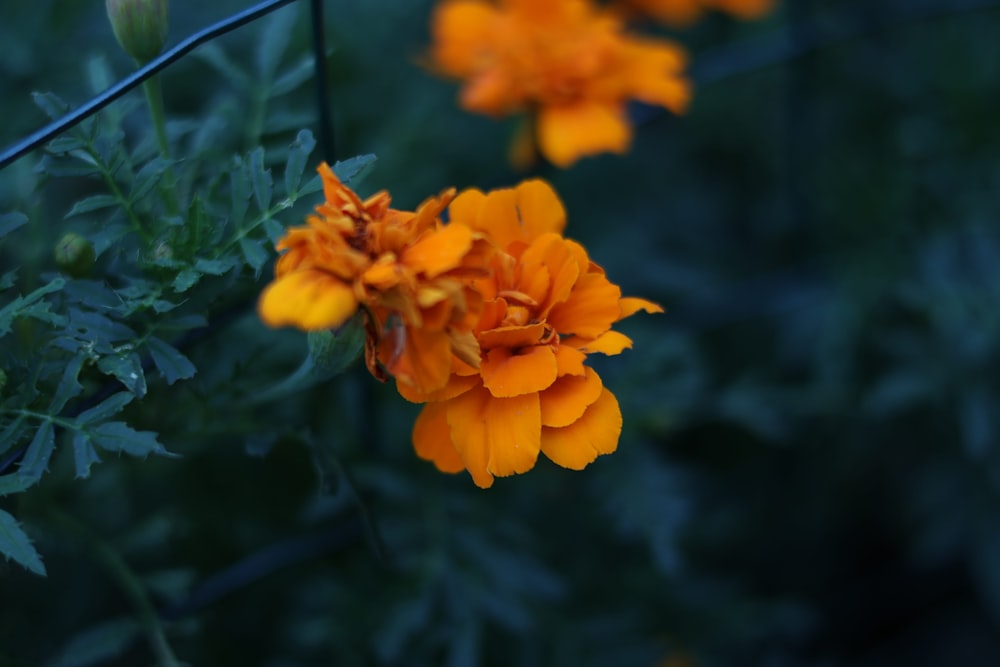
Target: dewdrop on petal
(140, 26)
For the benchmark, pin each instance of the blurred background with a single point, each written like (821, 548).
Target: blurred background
(809, 473)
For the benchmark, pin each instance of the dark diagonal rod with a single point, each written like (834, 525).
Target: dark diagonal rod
(322, 89)
(53, 129)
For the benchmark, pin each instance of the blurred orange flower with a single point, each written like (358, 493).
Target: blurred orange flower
(568, 61)
(407, 270)
(546, 307)
(683, 12)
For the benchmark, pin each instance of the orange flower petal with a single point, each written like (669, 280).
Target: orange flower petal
(470, 433)
(464, 209)
(512, 337)
(461, 29)
(611, 342)
(310, 300)
(633, 304)
(425, 360)
(569, 361)
(595, 433)
(567, 133)
(541, 209)
(558, 259)
(438, 251)
(590, 310)
(569, 397)
(457, 385)
(498, 217)
(507, 374)
(432, 438)
(515, 430)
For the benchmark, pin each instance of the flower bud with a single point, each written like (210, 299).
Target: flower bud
(74, 255)
(140, 26)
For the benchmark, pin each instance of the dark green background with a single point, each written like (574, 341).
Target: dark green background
(809, 473)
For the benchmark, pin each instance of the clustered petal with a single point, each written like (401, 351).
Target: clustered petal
(407, 271)
(569, 60)
(488, 319)
(546, 306)
(682, 12)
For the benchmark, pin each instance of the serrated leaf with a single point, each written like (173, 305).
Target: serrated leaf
(7, 280)
(12, 433)
(22, 304)
(93, 203)
(260, 179)
(214, 55)
(353, 169)
(274, 41)
(11, 221)
(14, 484)
(120, 437)
(293, 77)
(147, 178)
(127, 368)
(109, 407)
(298, 156)
(254, 253)
(109, 236)
(274, 229)
(36, 458)
(69, 386)
(99, 644)
(97, 328)
(171, 362)
(50, 104)
(84, 454)
(214, 267)
(16, 546)
(66, 144)
(185, 280)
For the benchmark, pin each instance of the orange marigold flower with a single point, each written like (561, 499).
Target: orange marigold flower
(546, 306)
(568, 60)
(406, 270)
(683, 12)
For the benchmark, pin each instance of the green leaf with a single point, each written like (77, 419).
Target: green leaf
(274, 41)
(14, 484)
(98, 644)
(120, 437)
(7, 280)
(36, 459)
(97, 328)
(50, 103)
(69, 386)
(216, 57)
(23, 305)
(185, 280)
(260, 179)
(127, 367)
(254, 253)
(93, 203)
(274, 229)
(84, 454)
(11, 221)
(148, 177)
(15, 545)
(214, 267)
(109, 407)
(174, 365)
(353, 169)
(298, 156)
(293, 77)
(108, 236)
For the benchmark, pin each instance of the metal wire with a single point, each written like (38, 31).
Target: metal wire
(322, 89)
(55, 128)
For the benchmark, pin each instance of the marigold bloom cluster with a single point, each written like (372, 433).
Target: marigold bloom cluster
(405, 269)
(682, 12)
(488, 319)
(568, 61)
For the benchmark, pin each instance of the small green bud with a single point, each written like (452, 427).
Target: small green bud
(74, 255)
(140, 26)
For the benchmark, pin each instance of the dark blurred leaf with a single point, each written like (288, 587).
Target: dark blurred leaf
(15, 545)
(120, 437)
(277, 32)
(293, 77)
(260, 179)
(109, 407)
(36, 458)
(84, 454)
(11, 221)
(29, 306)
(127, 367)
(298, 156)
(50, 103)
(254, 253)
(69, 386)
(353, 170)
(174, 365)
(93, 203)
(98, 644)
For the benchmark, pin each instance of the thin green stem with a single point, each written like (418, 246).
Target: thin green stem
(129, 582)
(154, 99)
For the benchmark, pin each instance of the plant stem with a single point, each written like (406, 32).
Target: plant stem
(119, 570)
(154, 98)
